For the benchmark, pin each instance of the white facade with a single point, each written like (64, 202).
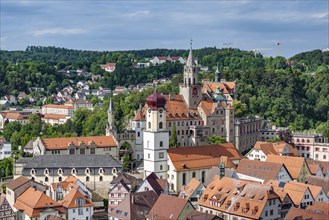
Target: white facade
(85, 213)
(139, 127)
(255, 154)
(5, 150)
(156, 143)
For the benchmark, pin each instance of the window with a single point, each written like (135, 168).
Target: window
(92, 150)
(149, 125)
(184, 179)
(324, 157)
(87, 178)
(148, 156)
(160, 125)
(271, 212)
(161, 143)
(71, 151)
(46, 179)
(193, 175)
(161, 167)
(60, 179)
(80, 211)
(161, 155)
(101, 178)
(203, 176)
(266, 213)
(82, 150)
(138, 134)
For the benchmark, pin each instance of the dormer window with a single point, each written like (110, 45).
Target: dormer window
(33, 172)
(101, 170)
(60, 171)
(74, 171)
(46, 171)
(87, 170)
(114, 170)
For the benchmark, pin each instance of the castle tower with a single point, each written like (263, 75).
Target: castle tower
(190, 89)
(111, 128)
(156, 137)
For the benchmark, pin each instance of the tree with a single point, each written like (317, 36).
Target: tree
(215, 139)
(126, 162)
(173, 137)
(286, 136)
(10, 128)
(273, 140)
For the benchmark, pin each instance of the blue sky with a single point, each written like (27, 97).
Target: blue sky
(299, 25)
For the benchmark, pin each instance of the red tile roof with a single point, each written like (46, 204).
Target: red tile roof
(69, 200)
(199, 157)
(63, 143)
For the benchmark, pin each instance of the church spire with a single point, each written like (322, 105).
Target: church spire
(217, 75)
(189, 61)
(111, 107)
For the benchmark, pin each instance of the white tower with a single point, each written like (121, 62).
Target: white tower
(156, 137)
(191, 88)
(110, 127)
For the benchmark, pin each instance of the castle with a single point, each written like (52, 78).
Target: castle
(199, 110)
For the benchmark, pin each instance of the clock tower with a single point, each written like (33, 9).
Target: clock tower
(190, 89)
(156, 137)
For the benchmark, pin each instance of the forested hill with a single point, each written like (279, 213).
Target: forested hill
(292, 92)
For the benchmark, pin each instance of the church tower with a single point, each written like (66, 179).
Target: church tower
(190, 89)
(111, 128)
(156, 136)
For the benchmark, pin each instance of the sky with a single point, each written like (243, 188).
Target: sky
(274, 27)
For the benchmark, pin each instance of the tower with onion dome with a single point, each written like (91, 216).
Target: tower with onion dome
(156, 136)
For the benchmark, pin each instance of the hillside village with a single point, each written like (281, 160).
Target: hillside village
(162, 165)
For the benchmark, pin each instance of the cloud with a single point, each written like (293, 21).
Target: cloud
(57, 31)
(138, 14)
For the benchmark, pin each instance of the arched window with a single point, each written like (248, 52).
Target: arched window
(87, 170)
(60, 179)
(46, 179)
(160, 125)
(101, 170)
(161, 143)
(101, 178)
(87, 178)
(149, 125)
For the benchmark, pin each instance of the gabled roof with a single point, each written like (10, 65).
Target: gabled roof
(259, 169)
(315, 190)
(32, 201)
(293, 164)
(14, 184)
(152, 179)
(215, 171)
(63, 143)
(167, 207)
(69, 200)
(189, 189)
(199, 157)
(319, 181)
(54, 116)
(128, 179)
(135, 205)
(319, 207)
(324, 165)
(302, 214)
(296, 191)
(233, 196)
(121, 181)
(196, 215)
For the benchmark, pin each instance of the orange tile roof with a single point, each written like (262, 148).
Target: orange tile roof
(319, 207)
(293, 164)
(167, 207)
(62, 143)
(259, 169)
(315, 190)
(225, 87)
(279, 148)
(58, 106)
(198, 157)
(295, 191)
(314, 168)
(70, 198)
(17, 116)
(13, 184)
(176, 109)
(54, 116)
(233, 196)
(324, 165)
(103, 66)
(302, 214)
(266, 147)
(32, 201)
(189, 189)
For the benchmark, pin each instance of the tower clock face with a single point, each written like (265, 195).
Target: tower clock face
(149, 110)
(161, 110)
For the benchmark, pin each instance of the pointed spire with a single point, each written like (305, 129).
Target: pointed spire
(217, 75)
(111, 107)
(189, 61)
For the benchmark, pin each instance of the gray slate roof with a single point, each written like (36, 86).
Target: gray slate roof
(69, 161)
